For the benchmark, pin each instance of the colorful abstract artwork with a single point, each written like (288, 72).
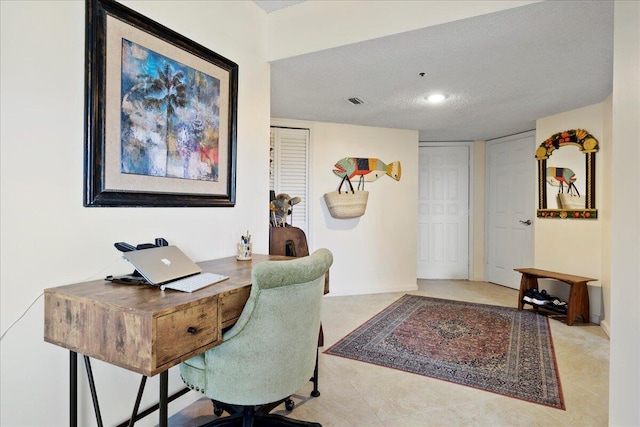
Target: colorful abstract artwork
(170, 117)
(160, 115)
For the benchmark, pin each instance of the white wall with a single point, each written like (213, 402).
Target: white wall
(574, 246)
(605, 208)
(376, 252)
(624, 393)
(50, 239)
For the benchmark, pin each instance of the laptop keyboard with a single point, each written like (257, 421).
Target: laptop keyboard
(193, 283)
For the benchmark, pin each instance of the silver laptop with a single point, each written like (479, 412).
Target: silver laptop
(162, 264)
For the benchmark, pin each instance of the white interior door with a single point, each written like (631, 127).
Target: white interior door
(443, 216)
(510, 201)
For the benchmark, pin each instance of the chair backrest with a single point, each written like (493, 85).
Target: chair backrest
(289, 241)
(270, 352)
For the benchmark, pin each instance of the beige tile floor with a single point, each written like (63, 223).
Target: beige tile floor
(359, 394)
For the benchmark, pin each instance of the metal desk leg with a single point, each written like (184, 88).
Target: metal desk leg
(136, 406)
(94, 393)
(73, 389)
(164, 398)
(73, 395)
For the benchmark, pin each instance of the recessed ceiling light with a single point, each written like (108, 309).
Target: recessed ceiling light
(435, 98)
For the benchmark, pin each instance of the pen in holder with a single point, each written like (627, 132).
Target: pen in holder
(244, 247)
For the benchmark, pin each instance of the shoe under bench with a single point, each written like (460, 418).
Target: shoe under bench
(578, 303)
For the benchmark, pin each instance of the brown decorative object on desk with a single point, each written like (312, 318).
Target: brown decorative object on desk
(291, 241)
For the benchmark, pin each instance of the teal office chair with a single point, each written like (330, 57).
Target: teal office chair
(270, 353)
(291, 241)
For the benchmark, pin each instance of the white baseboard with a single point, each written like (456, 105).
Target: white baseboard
(605, 327)
(334, 292)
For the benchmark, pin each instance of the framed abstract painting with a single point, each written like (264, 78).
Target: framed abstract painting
(160, 115)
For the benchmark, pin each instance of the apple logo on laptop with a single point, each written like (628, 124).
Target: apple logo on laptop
(165, 261)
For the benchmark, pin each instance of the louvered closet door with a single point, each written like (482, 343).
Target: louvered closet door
(290, 170)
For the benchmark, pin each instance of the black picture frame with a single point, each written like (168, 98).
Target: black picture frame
(102, 110)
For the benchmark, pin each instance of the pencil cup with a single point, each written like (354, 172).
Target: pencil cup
(244, 251)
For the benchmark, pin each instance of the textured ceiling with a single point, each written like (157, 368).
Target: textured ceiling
(500, 72)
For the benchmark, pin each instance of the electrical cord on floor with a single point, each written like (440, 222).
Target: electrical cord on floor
(39, 296)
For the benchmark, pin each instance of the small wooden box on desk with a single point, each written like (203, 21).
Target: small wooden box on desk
(578, 303)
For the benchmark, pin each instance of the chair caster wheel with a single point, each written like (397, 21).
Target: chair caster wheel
(315, 393)
(289, 404)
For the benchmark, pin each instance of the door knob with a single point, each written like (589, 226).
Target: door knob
(527, 222)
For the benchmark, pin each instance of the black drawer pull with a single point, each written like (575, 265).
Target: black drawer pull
(192, 330)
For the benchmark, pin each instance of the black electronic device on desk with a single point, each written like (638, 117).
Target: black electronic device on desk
(134, 278)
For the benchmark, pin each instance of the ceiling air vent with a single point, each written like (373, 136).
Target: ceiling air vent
(355, 101)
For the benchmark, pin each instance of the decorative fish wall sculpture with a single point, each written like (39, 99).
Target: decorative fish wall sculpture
(557, 177)
(369, 169)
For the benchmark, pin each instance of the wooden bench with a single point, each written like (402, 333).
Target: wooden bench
(578, 303)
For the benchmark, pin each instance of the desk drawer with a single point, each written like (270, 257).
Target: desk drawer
(184, 331)
(232, 305)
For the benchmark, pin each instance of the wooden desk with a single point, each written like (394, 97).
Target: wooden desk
(144, 329)
(578, 303)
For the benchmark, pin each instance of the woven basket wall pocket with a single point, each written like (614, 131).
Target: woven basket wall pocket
(349, 203)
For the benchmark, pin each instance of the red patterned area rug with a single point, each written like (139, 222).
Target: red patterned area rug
(497, 349)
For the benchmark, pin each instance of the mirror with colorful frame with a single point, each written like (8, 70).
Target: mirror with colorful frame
(566, 183)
